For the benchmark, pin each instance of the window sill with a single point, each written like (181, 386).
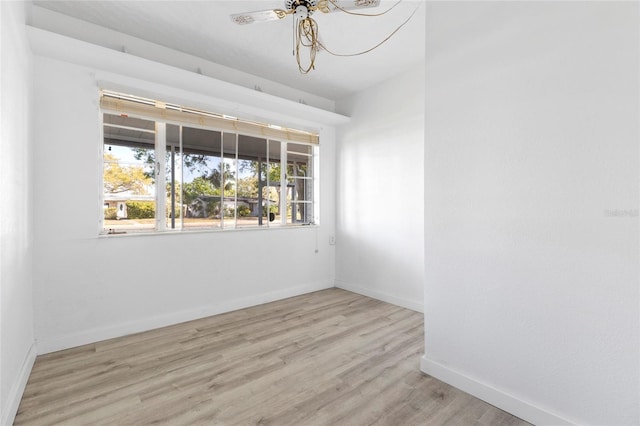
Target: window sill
(205, 231)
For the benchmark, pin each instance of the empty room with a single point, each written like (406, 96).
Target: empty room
(319, 212)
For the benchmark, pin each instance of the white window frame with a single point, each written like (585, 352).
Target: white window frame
(122, 104)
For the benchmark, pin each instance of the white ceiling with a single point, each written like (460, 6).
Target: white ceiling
(204, 29)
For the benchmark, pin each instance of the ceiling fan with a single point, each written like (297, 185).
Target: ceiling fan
(301, 9)
(306, 35)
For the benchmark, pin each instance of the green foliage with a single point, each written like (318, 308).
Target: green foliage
(199, 186)
(270, 169)
(197, 164)
(119, 178)
(248, 187)
(110, 213)
(210, 209)
(149, 157)
(244, 211)
(219, 180)
(213, 209)
(176, 212)
(274, 172)
(141, 209)
(272, 209)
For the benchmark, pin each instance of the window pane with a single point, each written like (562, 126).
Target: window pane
(252, 175)
(231, 203)
(272, 195)
(300, 183)
(128, 171)
(247, 193)
(201, 177)
(173, 179)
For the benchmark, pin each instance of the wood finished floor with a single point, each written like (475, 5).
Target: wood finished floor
(326, 358)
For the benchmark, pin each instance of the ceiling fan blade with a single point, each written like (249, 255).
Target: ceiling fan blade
(258, 16)
(350, 4)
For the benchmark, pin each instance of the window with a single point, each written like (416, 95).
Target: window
(171, 168)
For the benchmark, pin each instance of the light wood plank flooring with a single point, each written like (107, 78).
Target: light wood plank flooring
(326, 358)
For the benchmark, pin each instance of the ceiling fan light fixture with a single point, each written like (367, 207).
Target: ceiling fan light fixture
(309, 5)
(301, 12)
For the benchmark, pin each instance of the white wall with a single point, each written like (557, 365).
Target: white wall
(114, 40)
(379, 228)
(89, 288)
(16, 234)
(531, 207)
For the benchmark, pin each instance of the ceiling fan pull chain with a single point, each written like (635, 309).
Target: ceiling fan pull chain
(307, 30)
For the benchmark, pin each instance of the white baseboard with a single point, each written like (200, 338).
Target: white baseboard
(17, 389)
(385, 297)
(509, 403)
(57, 343)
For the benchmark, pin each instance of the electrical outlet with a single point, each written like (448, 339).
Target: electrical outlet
(332, 240)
